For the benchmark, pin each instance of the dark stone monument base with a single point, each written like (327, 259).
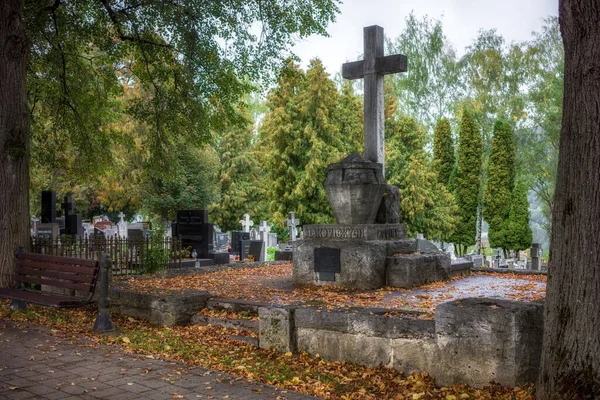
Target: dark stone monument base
(389, 209)
(411, 270)
(284, 255)
(220, 258)
(349, 255)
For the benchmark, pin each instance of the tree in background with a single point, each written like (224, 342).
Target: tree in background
(240, 178)
(498, 193)
(190, 56)
(468, 180)
(443, 151)
(425, 206)
(300, 136)
(192, 184)
(570, 364)
(519, 235)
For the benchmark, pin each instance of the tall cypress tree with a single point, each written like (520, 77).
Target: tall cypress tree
(443, 151)
(519, 232)
(499, 187)
(468, 181)
(351, 119)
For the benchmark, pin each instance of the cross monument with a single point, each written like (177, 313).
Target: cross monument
(246, 223)
(292, 223)
(372, 69)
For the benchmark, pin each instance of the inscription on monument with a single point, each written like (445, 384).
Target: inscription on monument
(327, 263)
(368, 232)
(338, 233)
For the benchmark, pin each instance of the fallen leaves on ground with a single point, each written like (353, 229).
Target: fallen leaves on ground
(272, 284)
(211, 347)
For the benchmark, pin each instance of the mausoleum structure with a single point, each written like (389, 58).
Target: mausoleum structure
(367, 248)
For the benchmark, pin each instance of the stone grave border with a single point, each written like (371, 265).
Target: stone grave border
(477, 341)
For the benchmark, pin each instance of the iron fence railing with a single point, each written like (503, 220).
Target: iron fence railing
(129, 255)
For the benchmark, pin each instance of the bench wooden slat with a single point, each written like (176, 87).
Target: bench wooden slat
(55, 274)
(56, 259)
(45, 299)
(58, 267)
(54, 282)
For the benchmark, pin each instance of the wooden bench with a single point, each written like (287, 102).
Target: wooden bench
(75, 278)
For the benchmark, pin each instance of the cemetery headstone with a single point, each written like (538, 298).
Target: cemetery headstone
(272, 240)
(257, 250)
(292, 223)
(499, 261)
(246, 223)
(48, 231)
(122, 226)
(244, 249)
(535, 253)
(48, 207)
(194, 231)
(236, 238)
(73, 224)
(264, 237)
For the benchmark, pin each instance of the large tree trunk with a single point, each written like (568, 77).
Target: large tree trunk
(14, 138)
(571, 350)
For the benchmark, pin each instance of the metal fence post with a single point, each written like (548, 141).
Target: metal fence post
(103, 322)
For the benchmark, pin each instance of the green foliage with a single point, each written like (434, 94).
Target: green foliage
(271, 253)
(443, 151)
(425, 206)
(500, 184)
(157, 256)
(428, 90)
(189, 64)
(192, 185)
(468, 178)
(519, 233)
(300, 136)
(240, 180)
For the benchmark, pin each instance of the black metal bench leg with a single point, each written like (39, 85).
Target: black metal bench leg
(103, 322)
(18, 305)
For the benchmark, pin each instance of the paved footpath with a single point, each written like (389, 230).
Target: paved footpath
(35, 364)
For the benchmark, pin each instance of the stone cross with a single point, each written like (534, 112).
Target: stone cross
(372, 69)
(292, 223)
(68, 206)
(264, 231)
(121, 216)
(246, 223)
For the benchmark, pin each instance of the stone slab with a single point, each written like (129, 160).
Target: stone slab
(483, 340)
(412, 270)
(355, 231)
(362, 263)
(160, 309)
(276, 328)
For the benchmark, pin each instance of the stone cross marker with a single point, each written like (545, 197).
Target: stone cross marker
(292, 223)
(264, 230)
(246, 223)
(372, 69)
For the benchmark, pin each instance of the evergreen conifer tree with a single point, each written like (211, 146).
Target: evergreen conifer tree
(351, 119)
(241, 188)
(519, 232)
(443, 151)
(499, 186)
(468, 180)
(301, 136)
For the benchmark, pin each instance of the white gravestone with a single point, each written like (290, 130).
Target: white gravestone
(264, 237)
(246, 223)
(122, 226)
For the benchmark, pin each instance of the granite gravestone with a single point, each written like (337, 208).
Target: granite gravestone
(257, 250)
(194, 231)
(73, 224)
(48, 207)
(236, 238)
(244, 248)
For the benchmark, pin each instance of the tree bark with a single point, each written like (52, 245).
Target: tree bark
(14, 138)
(571, 349)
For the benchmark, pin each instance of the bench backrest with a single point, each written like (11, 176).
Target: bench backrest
(60, 272)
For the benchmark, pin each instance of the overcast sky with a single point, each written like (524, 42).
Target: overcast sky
(461, 20)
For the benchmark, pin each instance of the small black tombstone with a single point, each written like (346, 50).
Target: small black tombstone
(236, 238)
(327, 263)
(256, 250)
(72, 224)
(244, 248)
(194, 231)
(48, 207)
